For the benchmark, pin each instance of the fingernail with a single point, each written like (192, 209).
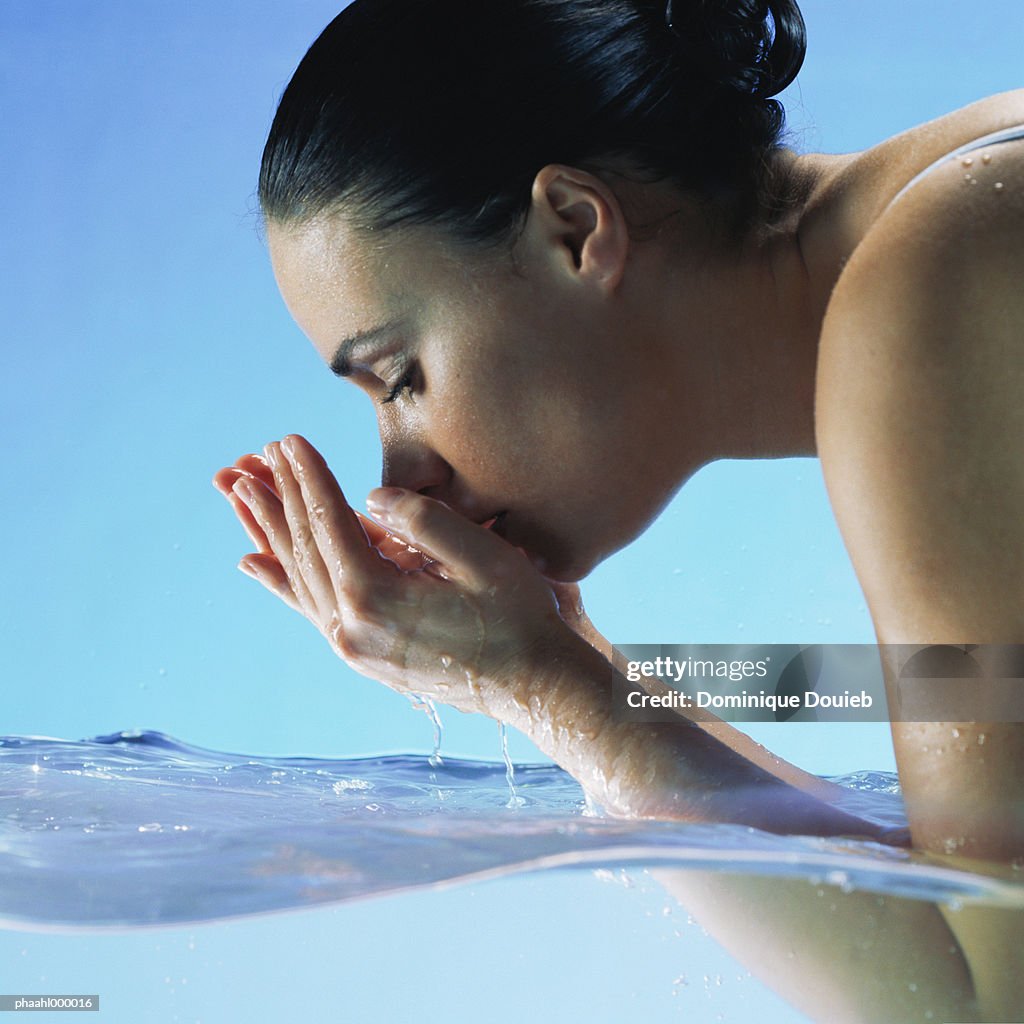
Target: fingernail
(272, 457)
(244, 489)
(289, 449)
(248, 570)
(383, 497)
(381, 505)
(381, 514)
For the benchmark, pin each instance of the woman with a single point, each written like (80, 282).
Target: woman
(560, 245)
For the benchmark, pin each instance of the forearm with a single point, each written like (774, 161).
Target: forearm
(729, 735)
(565, 703)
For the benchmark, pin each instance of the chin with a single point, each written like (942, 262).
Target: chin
(558, 560)
(563, 566)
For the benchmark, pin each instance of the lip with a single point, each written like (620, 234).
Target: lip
(495, 523)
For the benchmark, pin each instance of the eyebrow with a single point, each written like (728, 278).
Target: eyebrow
(341, 361)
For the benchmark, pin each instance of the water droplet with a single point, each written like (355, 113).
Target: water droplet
(985, 158)
(967, 161)
(956, 733)
(912, 986)
(998, 186)
(981, 739)
(968, 177)
(446, 662)
(954, 905)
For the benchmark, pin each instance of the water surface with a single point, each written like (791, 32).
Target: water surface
(139, 828)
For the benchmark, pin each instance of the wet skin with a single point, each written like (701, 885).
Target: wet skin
(839, 340)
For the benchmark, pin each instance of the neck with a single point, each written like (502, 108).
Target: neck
(750, 317)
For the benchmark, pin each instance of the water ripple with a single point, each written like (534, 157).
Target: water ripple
(139, 828)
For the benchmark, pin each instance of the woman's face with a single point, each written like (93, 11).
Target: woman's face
(502, 390)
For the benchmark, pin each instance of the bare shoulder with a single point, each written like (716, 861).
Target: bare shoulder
(919, 421)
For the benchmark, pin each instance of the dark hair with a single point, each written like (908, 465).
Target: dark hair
(442, 111)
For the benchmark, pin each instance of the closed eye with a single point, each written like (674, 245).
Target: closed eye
(405, 383)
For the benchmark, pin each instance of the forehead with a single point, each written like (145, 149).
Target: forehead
(326, 273)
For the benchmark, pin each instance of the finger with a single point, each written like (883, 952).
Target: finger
(266, 569)
(247, 465)
(468, 551)
(224, 481)
(343, 544)
(257, 466)
(393, 548)
(307, 555)
(269, 514)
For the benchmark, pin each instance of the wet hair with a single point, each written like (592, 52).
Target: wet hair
(441, 112)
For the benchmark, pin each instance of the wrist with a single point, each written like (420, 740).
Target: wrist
(559, 682)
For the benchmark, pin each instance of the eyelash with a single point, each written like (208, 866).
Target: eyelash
(402, 385)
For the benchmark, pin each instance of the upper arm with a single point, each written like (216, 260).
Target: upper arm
(919, 418)
(920, 424)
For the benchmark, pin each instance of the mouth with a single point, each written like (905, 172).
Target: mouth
(495, 523)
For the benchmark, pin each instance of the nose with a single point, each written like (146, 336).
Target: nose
(414, 465)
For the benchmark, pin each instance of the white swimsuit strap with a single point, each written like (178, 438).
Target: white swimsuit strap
(994, 138)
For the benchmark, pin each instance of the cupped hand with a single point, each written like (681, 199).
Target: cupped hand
(421, 599)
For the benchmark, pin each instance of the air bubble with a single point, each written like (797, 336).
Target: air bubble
(998, 186)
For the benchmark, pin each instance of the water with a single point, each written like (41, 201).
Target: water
(139, 828)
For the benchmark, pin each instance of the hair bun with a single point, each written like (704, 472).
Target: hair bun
(754, 47)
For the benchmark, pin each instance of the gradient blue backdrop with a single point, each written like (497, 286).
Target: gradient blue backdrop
(145, 345)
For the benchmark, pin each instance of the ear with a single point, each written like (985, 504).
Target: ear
(576, 221)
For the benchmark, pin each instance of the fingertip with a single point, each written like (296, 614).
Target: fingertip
(294, 445)
(245, 567)
(222, 483)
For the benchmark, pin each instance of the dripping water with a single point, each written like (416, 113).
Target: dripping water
(514, 799)
(426, 705)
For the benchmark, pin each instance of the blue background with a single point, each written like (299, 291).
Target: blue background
(145, 346)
